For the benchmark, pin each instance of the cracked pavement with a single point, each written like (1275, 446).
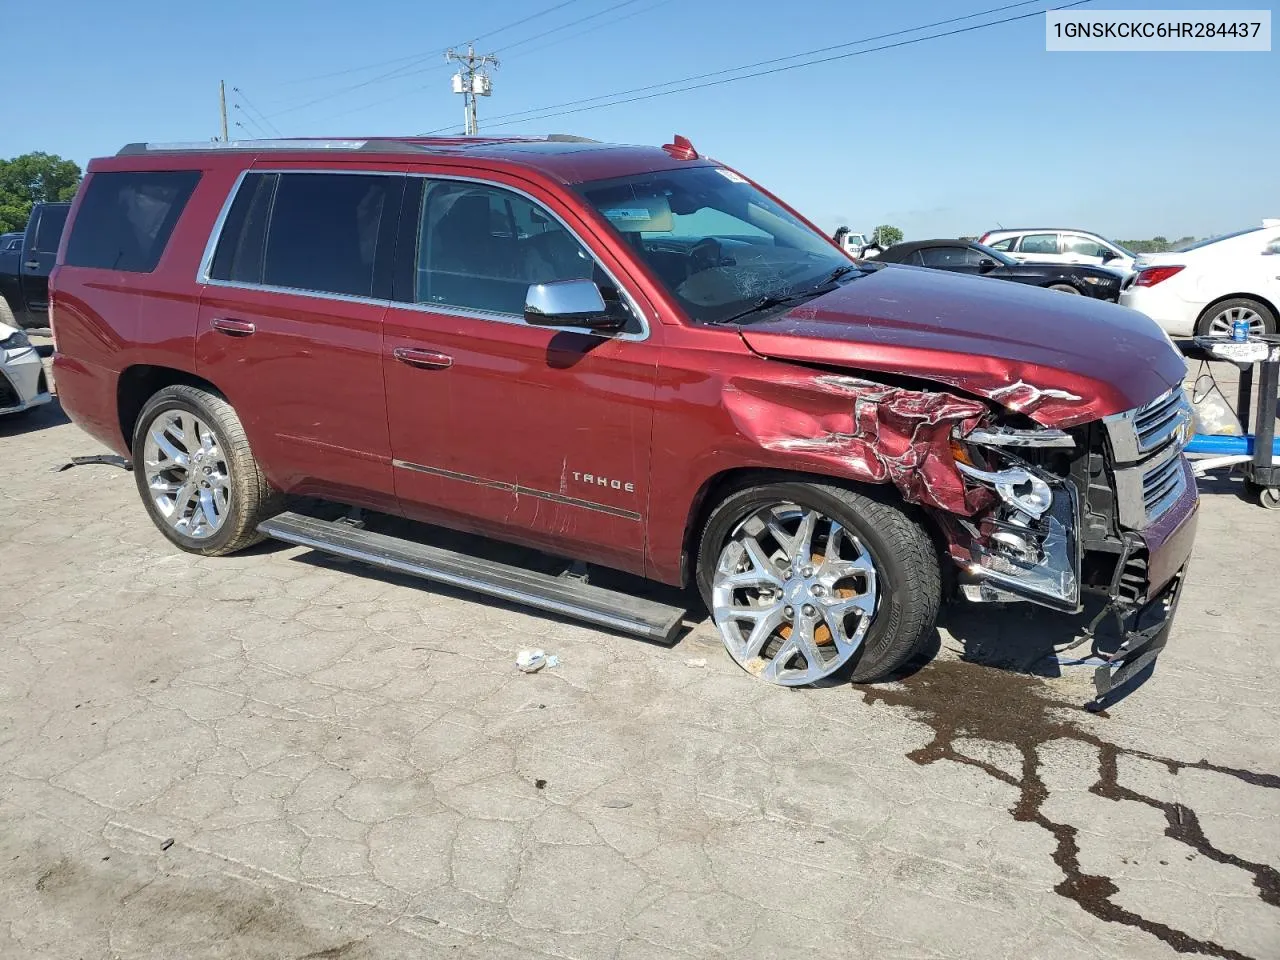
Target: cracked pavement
(349, 766)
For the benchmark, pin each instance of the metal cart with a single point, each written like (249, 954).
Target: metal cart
(1253, 453)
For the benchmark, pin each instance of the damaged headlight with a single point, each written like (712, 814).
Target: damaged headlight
(1026, 546)
(15, 341)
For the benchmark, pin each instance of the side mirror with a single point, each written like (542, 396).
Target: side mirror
(986, 264)
(1272, 248)
(568, 303)
(1108, 255)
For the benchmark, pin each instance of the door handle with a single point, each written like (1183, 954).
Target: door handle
(32, 264)
(233, 328)
(426, 359)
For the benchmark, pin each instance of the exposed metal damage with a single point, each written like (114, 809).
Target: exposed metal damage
(866, 430)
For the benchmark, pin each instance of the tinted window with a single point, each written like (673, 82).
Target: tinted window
(49, 229)
(239, 253)
(1039, 243)
(125, 219)
(1082, 246)
(481, 247)
(949, 258)
(1006, 244)
(325, 229)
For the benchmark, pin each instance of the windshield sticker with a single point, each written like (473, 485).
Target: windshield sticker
(628, 213)
(730, 175)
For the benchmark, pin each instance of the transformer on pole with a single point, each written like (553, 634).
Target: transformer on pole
(472, 80)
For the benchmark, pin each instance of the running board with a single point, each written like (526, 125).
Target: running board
(565, 596)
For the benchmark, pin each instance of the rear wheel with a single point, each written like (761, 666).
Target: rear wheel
(196, 474)
(804, 580)
(1218, 320)
(1064, 288)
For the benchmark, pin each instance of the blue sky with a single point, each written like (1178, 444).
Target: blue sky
(943, 137)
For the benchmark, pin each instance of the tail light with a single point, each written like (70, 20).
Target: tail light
(1153, 275)
(983, 238)
(53, 328)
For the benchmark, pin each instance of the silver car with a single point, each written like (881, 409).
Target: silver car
(23, 384)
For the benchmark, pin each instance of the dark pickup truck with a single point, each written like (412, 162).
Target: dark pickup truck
(25, 269)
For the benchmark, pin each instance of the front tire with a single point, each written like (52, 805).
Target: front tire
(806, 580)
(1064, 288)
(196, 474)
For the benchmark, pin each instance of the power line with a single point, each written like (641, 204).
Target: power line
(249, 105)
(523, 53)
(590, 29)
(414, 61)
(519, 115)
(547, 33)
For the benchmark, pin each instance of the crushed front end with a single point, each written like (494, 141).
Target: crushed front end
(1108, 508)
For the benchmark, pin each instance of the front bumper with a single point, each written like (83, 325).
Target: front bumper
(1142, 579)
(22, 380)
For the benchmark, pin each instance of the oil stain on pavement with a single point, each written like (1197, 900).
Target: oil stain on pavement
(953, 698)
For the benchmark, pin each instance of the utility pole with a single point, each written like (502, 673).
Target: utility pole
(222, 104)
(472, 80)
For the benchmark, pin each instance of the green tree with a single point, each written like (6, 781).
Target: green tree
(33, 178)
(887, 235)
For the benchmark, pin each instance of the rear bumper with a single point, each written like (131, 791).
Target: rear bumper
(1175, 315)
(87, 393)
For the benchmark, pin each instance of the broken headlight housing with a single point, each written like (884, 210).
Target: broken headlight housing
(1027, 546)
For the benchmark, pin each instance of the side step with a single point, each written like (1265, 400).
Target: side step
(562, 595)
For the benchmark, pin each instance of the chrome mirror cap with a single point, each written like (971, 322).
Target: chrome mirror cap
(564, 303)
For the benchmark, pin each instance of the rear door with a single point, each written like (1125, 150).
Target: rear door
(39, 251)
(1039, 248)
(290, 325)
(531, 434)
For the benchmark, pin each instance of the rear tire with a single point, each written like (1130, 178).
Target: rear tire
(1218, 317)
(196, 474)
(1064, 288)
(906, 579)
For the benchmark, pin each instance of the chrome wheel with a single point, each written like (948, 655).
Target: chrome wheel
(793, 594)
(187, 474)
(1221, 324)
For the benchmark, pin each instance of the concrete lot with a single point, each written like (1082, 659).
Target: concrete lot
(269, 756)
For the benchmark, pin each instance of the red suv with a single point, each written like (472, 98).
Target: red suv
(630, 356)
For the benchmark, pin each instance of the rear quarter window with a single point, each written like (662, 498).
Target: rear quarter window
(126, 218)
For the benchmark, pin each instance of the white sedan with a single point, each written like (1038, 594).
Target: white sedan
(22, 380)
(1212, 284)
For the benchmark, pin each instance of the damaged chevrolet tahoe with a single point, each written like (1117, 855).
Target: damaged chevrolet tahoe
(629, 356)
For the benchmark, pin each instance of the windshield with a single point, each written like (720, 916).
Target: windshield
(716, 242)
(994, 254)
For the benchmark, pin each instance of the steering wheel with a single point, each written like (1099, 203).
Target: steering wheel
(705, 254)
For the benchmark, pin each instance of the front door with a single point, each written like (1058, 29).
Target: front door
(530, 434)
(39, 251)
(290, 327)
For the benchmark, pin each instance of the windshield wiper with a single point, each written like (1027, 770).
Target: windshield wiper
(766, 303)
(776, 300)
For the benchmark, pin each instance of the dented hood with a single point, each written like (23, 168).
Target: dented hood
(1060, 359)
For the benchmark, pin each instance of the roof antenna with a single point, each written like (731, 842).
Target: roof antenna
(680, 149)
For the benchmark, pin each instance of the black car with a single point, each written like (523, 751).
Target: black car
(966, 256)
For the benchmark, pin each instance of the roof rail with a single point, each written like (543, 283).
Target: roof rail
(379, 144)
(382, 145)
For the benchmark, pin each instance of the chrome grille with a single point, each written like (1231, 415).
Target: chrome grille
(1162, 485)
(1157, 421)
(1146, 457)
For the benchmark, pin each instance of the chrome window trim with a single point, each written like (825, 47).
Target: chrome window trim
(449, 310)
